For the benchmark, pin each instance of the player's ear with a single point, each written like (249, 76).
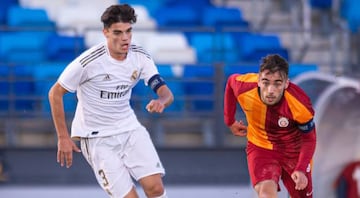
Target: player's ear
(105, 31)
(287, 83)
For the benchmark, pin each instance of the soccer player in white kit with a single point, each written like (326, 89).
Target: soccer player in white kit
(116, 145)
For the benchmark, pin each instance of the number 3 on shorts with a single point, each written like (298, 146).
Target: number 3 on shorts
(102, 175)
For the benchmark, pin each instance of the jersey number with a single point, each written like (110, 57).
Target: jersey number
(106, 182)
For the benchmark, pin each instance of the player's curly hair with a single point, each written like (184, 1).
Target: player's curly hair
(275, 63)
(118, 13)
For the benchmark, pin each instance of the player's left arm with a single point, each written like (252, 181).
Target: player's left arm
(308, 144)
(303, 113)
(165, 95)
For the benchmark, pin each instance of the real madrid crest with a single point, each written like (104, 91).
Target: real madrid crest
(134, 75)
(283, 122)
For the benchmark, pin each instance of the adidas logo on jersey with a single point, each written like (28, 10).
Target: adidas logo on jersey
(107, 77)
(158, 165)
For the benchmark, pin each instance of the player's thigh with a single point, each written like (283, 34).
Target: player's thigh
(141, 156)
(104, 156)
(263, 164)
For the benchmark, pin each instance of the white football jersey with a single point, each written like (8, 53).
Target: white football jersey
(103, 86)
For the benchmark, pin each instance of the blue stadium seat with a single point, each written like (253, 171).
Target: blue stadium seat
(350, 11)
(252, 46)
(198, 4)
(17, 81)
(143, 94)
(64, 48)
(240, 69)
(321, 4)
(220, 17)
(177, 16)
(258, 54)
(152, 6)
(5, 87)
(298, 68)
(4, 74)
(18, 16)
(175, 85)
(24, 82)
(4, 7)
(23, 47)
(214, 47)
(199, 85)
(24, 86)
(46, 75)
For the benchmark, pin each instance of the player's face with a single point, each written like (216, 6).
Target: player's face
(272, 86)
(118, 37)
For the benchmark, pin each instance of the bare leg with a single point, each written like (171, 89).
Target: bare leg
(132, 194)
(266, 189)
(152, 185)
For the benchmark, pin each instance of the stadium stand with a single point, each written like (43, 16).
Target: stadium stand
(199, 80)
(258, 45)
(195, 56)
(18, 16)
(190, 55)
(196, 45)
(220, 17)
(46, 74)
(23, 46)
(178, 16)
(63, 47)
(151, 6)
(213, 46)
(169, 47)
(23, 85)
(144, 20)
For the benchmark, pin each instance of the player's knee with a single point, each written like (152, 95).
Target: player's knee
(266, 189)
(155, 190)
(162, 196)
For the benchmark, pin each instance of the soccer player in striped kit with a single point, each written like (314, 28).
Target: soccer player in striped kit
(116, 145)
(280, 128)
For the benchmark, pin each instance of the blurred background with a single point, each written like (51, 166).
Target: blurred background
(196, 44)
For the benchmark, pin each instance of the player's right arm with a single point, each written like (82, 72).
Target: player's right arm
(229, 102)
(65, 144)
(236, 127)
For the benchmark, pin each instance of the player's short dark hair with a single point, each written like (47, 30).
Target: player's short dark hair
(118, 13)
(275, 63)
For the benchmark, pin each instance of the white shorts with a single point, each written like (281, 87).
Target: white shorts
(117, 160)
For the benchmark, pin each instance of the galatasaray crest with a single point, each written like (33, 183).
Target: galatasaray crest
(283, 122)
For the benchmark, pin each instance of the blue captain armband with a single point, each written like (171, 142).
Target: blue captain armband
(307, 127)
(156, 82)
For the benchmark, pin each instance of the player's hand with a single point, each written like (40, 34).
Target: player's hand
(300, 180)
(238, 128)
(155, 106)
(65, 151)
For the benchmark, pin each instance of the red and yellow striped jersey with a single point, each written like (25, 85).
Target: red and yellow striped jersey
(277, 127)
